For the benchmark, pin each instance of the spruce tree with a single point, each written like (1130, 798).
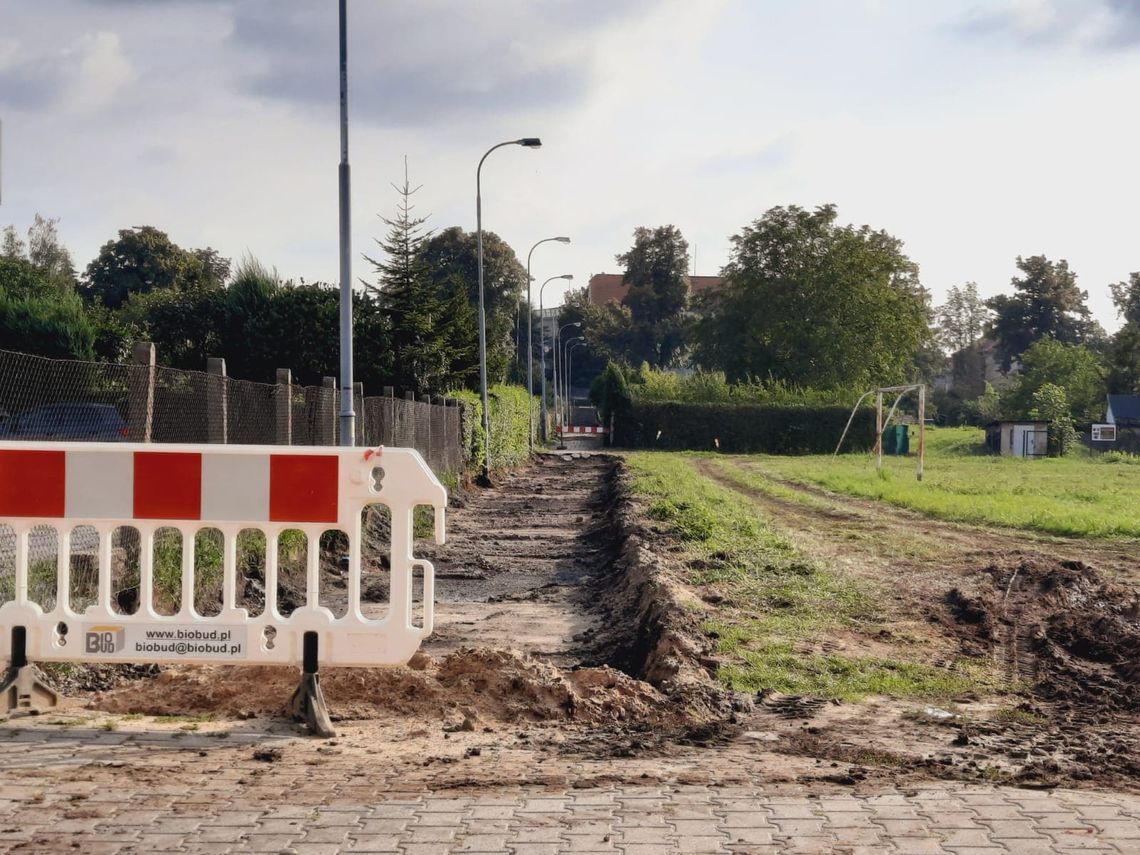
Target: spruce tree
(408, 298)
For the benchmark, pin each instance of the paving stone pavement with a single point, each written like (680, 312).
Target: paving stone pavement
(105, 793)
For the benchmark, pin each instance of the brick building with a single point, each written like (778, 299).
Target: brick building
(604, 287)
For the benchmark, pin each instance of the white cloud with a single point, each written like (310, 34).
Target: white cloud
(101, 72)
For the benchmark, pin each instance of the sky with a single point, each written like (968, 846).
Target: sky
(973, 131)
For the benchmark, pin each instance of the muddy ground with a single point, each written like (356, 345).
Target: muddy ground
(568, 650)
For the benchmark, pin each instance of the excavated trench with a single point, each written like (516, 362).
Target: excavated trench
(548, 608)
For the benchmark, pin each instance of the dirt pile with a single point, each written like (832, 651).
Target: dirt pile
(470, 686)
(1061, 628)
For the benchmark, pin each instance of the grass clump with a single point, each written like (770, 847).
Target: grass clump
(778, 666)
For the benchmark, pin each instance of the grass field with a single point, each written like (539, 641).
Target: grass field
(773, 599)
(1079, 496)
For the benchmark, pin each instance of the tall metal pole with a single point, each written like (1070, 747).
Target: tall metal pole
(554, 394)
(542, 344)
(347, 414)
(530, 332)
(542, 359)
(569, 369)
(529, 142)
(565, 387)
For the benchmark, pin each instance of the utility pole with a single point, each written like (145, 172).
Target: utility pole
(347, 413)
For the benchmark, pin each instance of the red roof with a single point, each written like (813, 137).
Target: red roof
(604, 287)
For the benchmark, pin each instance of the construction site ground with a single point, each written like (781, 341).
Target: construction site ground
(568, 702)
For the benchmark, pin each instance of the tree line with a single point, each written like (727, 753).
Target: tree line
(415, 322)
(807, 302)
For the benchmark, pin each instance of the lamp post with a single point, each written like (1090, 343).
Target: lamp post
(542, 344)
(560, 363)
(526, 142)
(565, 390)
(569, 366)
(557, 361)
(529, 333)
(347, 415)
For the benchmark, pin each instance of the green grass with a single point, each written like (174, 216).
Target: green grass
(775, 597)
(848, 678)
(1075, 496)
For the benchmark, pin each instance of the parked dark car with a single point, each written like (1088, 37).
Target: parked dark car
(67, 422)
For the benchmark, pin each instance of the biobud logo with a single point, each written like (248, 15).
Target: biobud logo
(102, 640)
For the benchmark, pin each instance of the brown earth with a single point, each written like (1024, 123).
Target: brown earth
(568, 650)
(1064, 636)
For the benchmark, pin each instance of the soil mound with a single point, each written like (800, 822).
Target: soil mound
(470, 685)
(1061, 627)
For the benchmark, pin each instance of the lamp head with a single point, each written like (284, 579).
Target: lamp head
(567, 276)
(563, 239)
(530, 142)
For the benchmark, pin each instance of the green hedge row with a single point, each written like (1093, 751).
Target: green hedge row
(742, 428)
(510, 426)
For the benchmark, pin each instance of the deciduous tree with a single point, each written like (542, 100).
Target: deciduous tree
(656, 269)
(814, 304)
(1046, 302)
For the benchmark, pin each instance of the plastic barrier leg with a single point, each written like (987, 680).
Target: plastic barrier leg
(308, 702)
(22, 690)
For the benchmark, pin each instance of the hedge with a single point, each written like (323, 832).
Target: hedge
(742, 428)
(510, 427)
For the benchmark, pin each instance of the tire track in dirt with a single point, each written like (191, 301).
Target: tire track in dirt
(952, 545)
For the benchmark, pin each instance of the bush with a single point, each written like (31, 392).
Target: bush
(610, 394)
(510, 426)
(743, 428)
(708, 387)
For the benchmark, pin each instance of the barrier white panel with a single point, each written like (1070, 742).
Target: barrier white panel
(230, 488)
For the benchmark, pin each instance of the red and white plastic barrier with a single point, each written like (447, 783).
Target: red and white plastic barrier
(583, 429)
(230, 488)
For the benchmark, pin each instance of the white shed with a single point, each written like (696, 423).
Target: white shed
(1018, 438)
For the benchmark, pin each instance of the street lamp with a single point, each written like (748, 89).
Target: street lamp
(569, 367)
(525, 142)
(560, 361)
(347, 415)
(565, 390)
(559, 353)
(529, 332)
(542, 344)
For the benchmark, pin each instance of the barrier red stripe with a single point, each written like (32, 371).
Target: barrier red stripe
(32, 483)
(168, 485)
(303, 488)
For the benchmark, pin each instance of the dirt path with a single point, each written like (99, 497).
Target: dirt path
(548, 579)
(519, 558)
(834, 524)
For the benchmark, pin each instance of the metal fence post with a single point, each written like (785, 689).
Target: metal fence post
(283, 407)
(358, 408)
(388, 432)
(217, 405)
(140, 405)
(329, 419)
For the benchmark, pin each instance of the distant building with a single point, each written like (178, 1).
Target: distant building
(1010, 438)
(1123, 411)
(1121, 428)
(604, 287)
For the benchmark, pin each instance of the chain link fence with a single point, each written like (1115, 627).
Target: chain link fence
(53, 399)
(63, 400)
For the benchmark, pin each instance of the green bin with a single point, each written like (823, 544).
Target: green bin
(896, 439)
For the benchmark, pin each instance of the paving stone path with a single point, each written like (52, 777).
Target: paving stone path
(104, 792)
